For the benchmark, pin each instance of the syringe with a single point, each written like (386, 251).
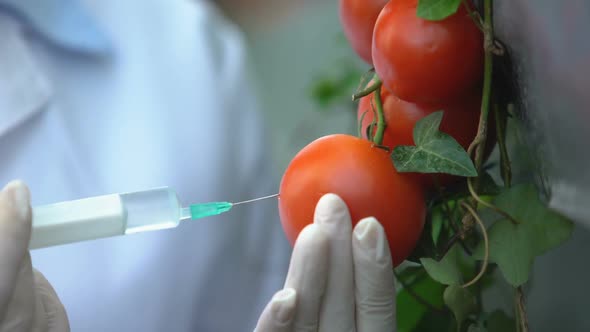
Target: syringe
(116, 214)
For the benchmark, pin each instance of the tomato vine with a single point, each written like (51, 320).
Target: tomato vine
(480, 220)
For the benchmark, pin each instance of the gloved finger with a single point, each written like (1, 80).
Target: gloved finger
(373, 273)
(279, 312)
(15, 233)
(307, 276)
(337, 312)
(54, 317)
(20, 311)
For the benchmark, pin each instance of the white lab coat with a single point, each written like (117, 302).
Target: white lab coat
(172, 107)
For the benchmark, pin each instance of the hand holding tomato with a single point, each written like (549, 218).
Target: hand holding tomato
(363, 175)
(339, 279)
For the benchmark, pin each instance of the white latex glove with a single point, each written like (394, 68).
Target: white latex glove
(338, 280)
(27, 300)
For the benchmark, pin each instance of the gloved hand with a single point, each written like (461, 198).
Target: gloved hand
(338, 280)
(27, 300)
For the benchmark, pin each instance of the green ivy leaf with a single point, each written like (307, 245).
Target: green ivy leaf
(447, 271)
(409, 310)
(498, 321)
(410, 274)
(435, 10)
(437, 221)
(460, 301)
(435, 151)
(539, 229)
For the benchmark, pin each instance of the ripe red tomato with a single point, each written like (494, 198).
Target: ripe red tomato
(358, 20)
(426, 61)
(363, 175)
(460, 120)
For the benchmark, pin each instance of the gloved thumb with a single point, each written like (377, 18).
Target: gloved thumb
(50, 313)
(15, 233)
(27, 300)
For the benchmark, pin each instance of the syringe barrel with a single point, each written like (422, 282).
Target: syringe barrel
(151, 210)
(104, 216)
(78, 220)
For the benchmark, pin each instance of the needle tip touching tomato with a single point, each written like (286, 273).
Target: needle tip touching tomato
(365, 178)
(426, 61)
(358, 20)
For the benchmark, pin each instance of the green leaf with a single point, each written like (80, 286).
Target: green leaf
(539, 229)
(510, 248)
(409, 310)
(447, 271)
(326, 91)
(487, 185)
(476, 328)
(435, 151)
(331, 89)
(460, 301)
(427, 127)
(435, 10)
(437, 221)
(366, 79)
(434, 321)
(498, 321)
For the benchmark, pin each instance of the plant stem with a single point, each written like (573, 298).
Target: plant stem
(516, 314)
(417, 297)
(473, 14)
(378, 140)
(479, 141)
(478, 199)
(458, 236)
(454, 239)
(370, 89)
(360, 125)
(486, 246)
(521, 309)
(481, 137)
(501, 122)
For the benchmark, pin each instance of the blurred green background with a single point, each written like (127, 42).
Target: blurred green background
(288, 57)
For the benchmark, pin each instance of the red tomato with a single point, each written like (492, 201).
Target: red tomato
(460, 120)
(358, 20)
(364, 177)
(426, 61)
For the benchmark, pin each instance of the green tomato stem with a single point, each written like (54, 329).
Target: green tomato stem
(504, 158)
(473, 14)
(521, 310)
(481, 137)
(370, 89)
(378, 139)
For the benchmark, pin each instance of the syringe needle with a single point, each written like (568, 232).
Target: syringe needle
(196, 211)
(256, 199)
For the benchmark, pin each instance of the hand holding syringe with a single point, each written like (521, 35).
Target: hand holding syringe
(116, 214)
